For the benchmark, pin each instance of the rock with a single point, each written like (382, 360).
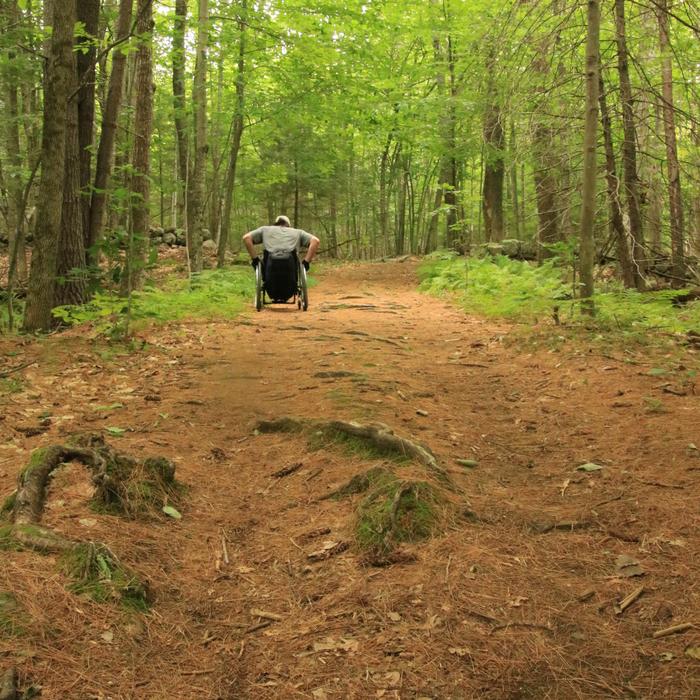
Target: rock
(170, 239)
(156, 232)
(209, 247)
(206, 234)
(180, 238)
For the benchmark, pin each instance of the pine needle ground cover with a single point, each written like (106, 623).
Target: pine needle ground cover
(499, 287)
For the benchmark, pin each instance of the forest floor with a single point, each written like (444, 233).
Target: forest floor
(514, 598)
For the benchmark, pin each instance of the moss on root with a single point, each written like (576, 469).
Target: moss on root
(8, 505)
(96, 573)
(7, 539)
(397, 512)
(353, 445)
(137, 489)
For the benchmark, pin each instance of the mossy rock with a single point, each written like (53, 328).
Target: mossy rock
(96, 573)
(13, 619)
(280, 425)
(397, 512)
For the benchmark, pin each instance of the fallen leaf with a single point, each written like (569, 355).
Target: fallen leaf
(518, 601)
(394, 616)
(666, 656)
(469, 463)
(459, 651)
(112, 430)
(172, 512)
(107, 636)
(589, 467)
(628, 566)
(87, 522)
(331, 644)
(693, 652)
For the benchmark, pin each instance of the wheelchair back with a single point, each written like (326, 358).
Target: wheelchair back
(280, 274)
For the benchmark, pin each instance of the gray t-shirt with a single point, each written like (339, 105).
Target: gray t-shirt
(280, 239)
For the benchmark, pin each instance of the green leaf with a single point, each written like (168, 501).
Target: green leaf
(656, 372)
(469, 463)
(116, 431)
(172, 512)
(589, 467)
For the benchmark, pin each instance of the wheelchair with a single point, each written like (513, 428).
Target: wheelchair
(280, 278)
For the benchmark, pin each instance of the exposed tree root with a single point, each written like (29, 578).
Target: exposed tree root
(378, 435)
(122, 484)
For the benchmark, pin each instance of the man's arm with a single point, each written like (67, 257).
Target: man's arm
(248, 243)
(313, 247)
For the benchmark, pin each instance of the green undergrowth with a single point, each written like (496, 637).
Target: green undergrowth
(212, 294)
(499, 287)
(96, 573)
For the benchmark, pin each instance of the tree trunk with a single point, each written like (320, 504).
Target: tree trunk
(617, 226)
(673, 169)
(59, 77)
(89, 15)
(108, 133)
(71, 285)
(514, 184)
(143, 126)
(196, 195)
(588, 196)
(494, 173)
(238, 125)
(629, 148)
(179, 107)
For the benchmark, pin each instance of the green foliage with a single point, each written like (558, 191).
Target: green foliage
(96, 573)
(503, 288)
(213, 294)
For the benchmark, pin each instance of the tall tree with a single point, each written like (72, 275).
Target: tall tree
(179, 109)
(196, 196)
(236, 135)
(59, 78)
(588, 196)
(629, 147)
(673, 168)
(108, 132)
(141, 162)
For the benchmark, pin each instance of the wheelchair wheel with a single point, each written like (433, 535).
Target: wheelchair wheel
(259, 292)
(303, 289)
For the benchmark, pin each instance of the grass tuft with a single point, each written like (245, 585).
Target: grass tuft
(353, 445)
(96, 573)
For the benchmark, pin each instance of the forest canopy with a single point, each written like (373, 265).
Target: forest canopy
(385, 127)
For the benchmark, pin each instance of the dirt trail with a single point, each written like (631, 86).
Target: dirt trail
(514, 600)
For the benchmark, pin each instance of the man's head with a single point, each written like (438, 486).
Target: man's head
(282, 221)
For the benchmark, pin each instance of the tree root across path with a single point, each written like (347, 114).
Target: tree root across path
(376, 435)
(393, 510)
(123, 486)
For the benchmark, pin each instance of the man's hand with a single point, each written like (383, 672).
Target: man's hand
(306, 264)
(255, 262)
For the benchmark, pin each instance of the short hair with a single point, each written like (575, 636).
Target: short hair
(282, 221)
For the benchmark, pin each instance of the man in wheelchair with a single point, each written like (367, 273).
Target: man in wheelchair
(279, 268)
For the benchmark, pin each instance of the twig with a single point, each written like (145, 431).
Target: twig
(286, 471)
(447, 568)
(261, 626)
(203, 672)
(530, 625)
(8, 372)
(676, 629)
(224, 549)
(609, 500)
(628, 600)
(266, 615)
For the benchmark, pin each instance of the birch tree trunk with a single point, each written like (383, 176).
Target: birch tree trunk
(179, 108)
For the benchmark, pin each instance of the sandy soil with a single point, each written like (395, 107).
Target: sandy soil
(514, 600)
